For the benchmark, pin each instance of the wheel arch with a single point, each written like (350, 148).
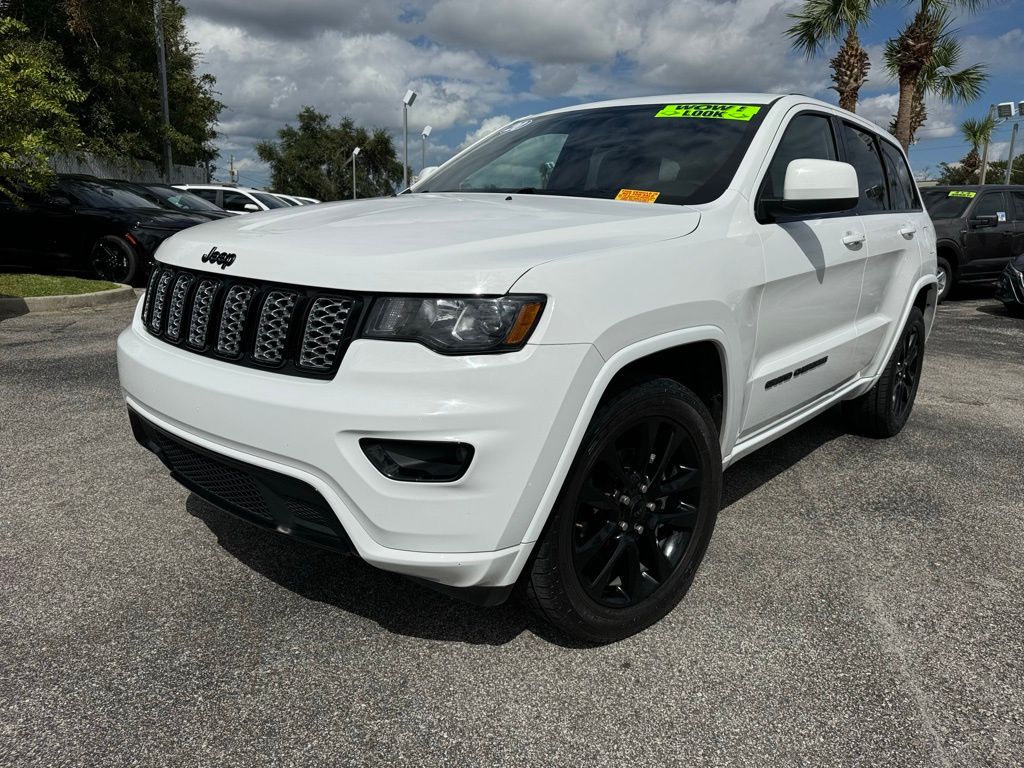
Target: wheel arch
(663, 355)
(950, 251)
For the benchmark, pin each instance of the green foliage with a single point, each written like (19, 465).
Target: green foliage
(922, 58)
(36, 96)
(110, 47)
(315, 159)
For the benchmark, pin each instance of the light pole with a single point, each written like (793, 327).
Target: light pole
(355, 154)
(409, 98)
(161, 61)
(423, 157)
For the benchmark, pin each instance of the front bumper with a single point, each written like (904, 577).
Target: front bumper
(516, 410)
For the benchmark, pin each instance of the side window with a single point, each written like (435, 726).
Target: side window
(235, 201)
(206, 194)
(1018, 205)
(806, 136)
(902, 190)
(991, 204)
(862, 154)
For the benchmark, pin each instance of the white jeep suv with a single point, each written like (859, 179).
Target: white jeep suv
(532, 367)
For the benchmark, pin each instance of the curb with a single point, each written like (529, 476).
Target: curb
(22, 306)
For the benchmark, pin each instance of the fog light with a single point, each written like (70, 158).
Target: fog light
(417, 461)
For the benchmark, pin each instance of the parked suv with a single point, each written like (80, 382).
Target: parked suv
(532, 367)
(978, 230)
(236, 200)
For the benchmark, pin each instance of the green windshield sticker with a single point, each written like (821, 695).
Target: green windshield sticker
(961, 193)
(719, 111)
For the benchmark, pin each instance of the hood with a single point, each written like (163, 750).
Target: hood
(151, 218)
(448, 242)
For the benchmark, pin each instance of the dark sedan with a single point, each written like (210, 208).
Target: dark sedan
(1010, 288)
(84, 224)
(175, 199)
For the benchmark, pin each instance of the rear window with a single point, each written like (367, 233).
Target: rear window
(652, 153)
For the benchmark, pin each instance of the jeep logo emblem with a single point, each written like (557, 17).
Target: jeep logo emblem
(223, 258)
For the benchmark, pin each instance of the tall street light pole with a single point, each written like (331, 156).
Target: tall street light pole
(355, 153)
(423, 157)
(158, 23)
(410, 97)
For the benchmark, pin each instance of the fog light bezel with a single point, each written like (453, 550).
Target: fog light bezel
(380, 452)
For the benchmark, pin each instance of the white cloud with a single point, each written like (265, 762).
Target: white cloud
(486, 127)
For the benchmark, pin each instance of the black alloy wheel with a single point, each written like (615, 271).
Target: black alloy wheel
(115, 260)
(637, 511)
(634, 518)
(884, 409)
(907, 372)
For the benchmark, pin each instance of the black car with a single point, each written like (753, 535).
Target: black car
(84, 224)
(175, 199)
(1010, 288)
(977, 228)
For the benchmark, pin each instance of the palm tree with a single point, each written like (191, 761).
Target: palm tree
(921, 59)
(975, 132)
(822, 21)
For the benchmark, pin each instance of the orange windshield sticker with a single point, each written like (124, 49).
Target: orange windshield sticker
(637, 195)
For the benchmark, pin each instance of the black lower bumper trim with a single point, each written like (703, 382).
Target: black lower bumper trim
(259, 496)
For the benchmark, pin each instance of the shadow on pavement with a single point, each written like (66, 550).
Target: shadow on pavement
(407, 608)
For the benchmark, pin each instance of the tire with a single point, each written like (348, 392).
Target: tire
(113, 259)
(634, 518)
(944, 272)
(884, 409)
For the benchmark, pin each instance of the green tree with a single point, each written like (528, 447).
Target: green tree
(37, 95)
(110, 47)
(922, 58)
(822, 21)
(314, 159)
(976, 133)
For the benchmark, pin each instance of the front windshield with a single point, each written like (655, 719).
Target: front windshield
(269, 200)
(99, 194)
(182, 200)
(947, 203)
(653, 153)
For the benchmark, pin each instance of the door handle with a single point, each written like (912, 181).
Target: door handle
(908, 231)
(853, 238)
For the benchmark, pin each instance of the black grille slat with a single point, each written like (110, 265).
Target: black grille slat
(202, 308)
(156, 320)
(325, 327)
(272, 331)
(293, 329)
(177, 305)
(232, 319)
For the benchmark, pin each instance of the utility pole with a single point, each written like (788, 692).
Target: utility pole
(232, 175)
(1009, 158)
(161, 60)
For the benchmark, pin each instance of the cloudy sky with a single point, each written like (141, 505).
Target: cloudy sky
(478, 63)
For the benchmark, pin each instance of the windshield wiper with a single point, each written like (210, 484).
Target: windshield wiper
(525, 191)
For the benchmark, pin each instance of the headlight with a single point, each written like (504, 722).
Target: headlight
(456, 325)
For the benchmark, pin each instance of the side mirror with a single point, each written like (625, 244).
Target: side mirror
(251, 207)
(816, 186)
(983, 222)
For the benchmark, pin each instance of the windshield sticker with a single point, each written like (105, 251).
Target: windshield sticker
(516, 126)
(637, 195)
(718, 111)
(961, 193)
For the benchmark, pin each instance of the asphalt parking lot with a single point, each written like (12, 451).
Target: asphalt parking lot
(861, 603)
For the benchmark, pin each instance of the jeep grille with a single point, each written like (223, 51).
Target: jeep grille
(291, 329)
